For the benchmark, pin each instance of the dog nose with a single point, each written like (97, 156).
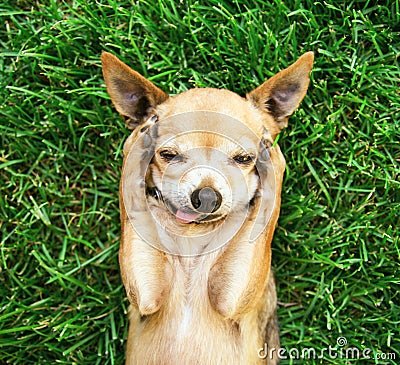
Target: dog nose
(206, 200)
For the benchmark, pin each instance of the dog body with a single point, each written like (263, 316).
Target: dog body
(200, 199)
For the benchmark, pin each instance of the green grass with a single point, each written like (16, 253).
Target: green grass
(336, 250)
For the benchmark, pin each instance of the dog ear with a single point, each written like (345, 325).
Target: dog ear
(132, 94)
(281, 94)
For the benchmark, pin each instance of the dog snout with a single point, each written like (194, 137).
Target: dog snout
(206, 200)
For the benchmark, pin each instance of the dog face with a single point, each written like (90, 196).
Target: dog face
(206, 142)
(203, 174)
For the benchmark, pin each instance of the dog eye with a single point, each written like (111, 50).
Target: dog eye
(168, 155)
(243, 158)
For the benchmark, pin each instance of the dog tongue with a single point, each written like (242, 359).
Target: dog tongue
(186, 217)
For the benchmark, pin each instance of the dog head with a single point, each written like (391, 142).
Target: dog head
(205, 143)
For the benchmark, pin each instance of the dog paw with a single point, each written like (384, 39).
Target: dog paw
(139, 151)
(150, 305)
(147, 135)
(264, 150)
(270, 161)
(226, 289)
(147, 302)
(146, 273)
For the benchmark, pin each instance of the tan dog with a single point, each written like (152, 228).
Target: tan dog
(200, 198)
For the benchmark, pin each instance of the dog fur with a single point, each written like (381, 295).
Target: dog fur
(201, 306)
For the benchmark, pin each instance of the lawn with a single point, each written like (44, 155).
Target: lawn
(336, 249)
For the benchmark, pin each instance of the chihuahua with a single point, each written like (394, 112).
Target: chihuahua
(200, 197)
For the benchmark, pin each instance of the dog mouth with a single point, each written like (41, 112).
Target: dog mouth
(183, 215)
(186, 215)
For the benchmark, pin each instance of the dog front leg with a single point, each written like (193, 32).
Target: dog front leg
(239, 278)
(145, 270)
